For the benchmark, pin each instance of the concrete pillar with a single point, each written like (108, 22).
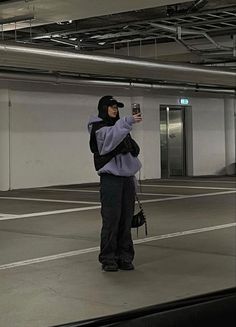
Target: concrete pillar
(230, 142)
(4, 141)
(150, 148)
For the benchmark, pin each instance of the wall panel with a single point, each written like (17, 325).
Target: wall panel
(49, 138)
(4, 140)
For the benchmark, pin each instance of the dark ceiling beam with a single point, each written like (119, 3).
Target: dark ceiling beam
(211, 21)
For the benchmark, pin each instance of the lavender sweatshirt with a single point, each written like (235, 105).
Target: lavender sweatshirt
(108, 137)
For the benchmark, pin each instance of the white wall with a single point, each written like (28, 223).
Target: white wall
(151, 138)
(49, 138)
(49, 142)
(230, 135)
(4, 140)
(208, 136)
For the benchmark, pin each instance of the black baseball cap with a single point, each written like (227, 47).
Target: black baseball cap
(107, 101)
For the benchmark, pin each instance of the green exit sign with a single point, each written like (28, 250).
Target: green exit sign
(184, 101)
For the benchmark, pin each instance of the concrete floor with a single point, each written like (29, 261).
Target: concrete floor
(49, 273)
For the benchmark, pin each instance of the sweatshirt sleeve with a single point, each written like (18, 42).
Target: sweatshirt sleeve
(109, 137)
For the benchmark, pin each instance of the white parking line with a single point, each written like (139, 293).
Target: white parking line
(161, 194)
(198, 181)
(48, 213)
(93, 191)
(6, 215)
(66, 189)
(184, 186)
(45, 200)
(95, 249)
(186, 232)
(189, 196)
(56, 212)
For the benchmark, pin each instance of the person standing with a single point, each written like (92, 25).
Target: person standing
(116, 161)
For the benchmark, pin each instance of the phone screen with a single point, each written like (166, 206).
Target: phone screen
(135, 108)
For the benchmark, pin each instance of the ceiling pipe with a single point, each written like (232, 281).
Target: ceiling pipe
(21, 56)
(198, 4)
(16, 19)
(60, 80)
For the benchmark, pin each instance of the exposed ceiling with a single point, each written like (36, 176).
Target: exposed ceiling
(196, 26)
(44, 12)
(201, 31)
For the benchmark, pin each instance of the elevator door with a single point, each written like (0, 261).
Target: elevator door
(172, 141)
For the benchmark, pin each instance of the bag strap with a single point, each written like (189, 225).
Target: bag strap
(141, 208)
(139, 203)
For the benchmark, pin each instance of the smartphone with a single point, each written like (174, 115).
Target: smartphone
(135, 108)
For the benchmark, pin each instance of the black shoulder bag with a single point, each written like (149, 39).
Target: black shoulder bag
(139, 218)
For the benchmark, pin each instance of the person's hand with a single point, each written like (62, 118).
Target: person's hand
(137, 118)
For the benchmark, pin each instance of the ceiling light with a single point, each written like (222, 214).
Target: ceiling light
(101, 43)
(65, 23)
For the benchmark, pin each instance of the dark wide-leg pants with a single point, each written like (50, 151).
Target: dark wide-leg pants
(118, 199)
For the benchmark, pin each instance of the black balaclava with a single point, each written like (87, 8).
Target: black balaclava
(103, 105)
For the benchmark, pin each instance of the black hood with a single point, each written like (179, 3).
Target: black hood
(103, 105)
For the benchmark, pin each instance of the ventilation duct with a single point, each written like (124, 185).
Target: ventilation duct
(58, 80)
(113, 66)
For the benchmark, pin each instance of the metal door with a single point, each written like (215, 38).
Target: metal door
(173, 161)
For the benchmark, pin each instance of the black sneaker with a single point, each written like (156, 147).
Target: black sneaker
(126, 266)
(110, 267)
